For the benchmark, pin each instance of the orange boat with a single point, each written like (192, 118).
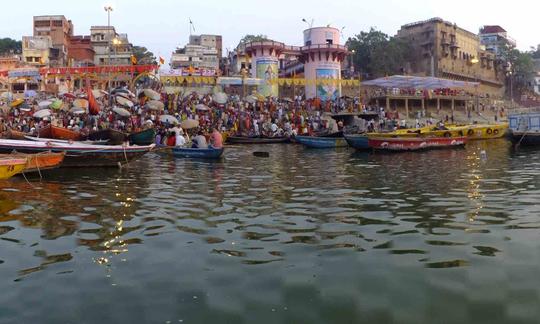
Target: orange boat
(39, 161)
(60, 133)
(13, 134)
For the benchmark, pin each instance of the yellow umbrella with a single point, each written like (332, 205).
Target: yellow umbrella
(16, 103)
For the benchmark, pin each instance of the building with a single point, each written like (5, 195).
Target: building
(10, 62)
(108, 44)
(211, 41)
(239, 61)
(80, 51)
(495, 39)
(195, 56)
(60, 30)
(442, 49)
(38, 51)
(536, 78)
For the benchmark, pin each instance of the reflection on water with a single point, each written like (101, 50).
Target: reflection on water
(304, 236)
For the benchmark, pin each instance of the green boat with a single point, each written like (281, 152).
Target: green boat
(145, 137)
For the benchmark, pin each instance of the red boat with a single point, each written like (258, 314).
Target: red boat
(59, 133)
(415, 143)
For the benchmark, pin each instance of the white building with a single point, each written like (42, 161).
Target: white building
(495, 39)
(195, 56)
(39, 51)
(106, 43)
(536, 78)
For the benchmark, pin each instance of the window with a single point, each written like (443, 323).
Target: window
(329, 41)
(308, 43)
(29, 59)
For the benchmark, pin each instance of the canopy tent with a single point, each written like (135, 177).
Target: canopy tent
(414, 82)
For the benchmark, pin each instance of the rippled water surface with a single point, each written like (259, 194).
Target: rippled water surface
(304, 236)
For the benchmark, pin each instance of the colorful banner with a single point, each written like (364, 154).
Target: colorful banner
(267, 69)
(327, 84)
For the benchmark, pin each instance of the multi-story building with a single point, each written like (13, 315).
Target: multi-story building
(39, 51)
(239, 61)
(80, 51)
(536, 77)
(195, 56)
(496, 39)
(108, 44)
(442, 49)
(59, 30)
(211, 41)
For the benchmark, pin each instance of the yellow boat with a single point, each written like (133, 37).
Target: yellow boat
(458, 131)
(483, 131)
(11, 166)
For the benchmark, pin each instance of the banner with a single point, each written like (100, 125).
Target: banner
(267, 70)
(328, 87)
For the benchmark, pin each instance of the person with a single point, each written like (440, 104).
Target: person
(158, 138)
(171, 140)
(180, 139)
(199, 141)
(216, 140)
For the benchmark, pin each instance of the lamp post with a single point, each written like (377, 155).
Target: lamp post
(109, 9)
(475, 61)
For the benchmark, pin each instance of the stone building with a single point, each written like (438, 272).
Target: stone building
(59, 30)
(442, 49)
(108, 44)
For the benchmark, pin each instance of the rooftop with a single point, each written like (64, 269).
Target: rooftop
(492, 29)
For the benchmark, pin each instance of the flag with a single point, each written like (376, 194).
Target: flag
(161, 60)
(93, 106)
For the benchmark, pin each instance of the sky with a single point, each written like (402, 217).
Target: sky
(163, 25)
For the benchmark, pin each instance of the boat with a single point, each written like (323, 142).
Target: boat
(524, 126)
(10, 166)
(208, 153)
(483, 131)
(456, 131)
(321, 142)
(357, 141)
(113, 137)
(256, 140)
(39, 161)
(60, 133)
(145, 137)
(14, 134)
(415, 144)
(80, 154)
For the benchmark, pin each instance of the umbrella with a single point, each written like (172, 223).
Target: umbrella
(153, 95)
(168, 119)
(122, 112)
(69, 95)
(30, 93)
(16, 103)
(57, 104)
(77, 111)
(202, 107)
(42, 113)
(251, 99)
(25, 107)
(124, 102)
(189, 124)
(221, 98)
(98, 93)
(6, 95)
(80, 103)
(44, 104)
(155, 105)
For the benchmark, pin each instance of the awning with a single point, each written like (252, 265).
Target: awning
(414, 82)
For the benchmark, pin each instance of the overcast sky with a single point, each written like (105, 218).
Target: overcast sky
(162, 25)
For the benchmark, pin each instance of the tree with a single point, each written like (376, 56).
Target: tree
(376, 54)
(254, 38)
(8, 45)
(143, 55)
(536, 52)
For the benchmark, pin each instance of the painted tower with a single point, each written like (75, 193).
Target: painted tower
(322, 56)
(265, 65)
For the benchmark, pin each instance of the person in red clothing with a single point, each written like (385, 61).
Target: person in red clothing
(171, 140)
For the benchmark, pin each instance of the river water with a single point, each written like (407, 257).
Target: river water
(304, 236)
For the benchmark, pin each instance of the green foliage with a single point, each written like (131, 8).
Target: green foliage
(377, 54)
(8, 45)
(143, 55)
(254, 38)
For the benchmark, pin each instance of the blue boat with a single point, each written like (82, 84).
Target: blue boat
(357, 141)
(524, 127)
(321, 142)
(196, 153)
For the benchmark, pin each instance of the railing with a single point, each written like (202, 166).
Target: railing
(522, 110)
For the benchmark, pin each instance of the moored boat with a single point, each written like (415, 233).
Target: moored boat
(483, 131)
(60, 133)
(145, 137)
(256, 140)
(113, 137)
(208, 153)
(10, 166)
(415, 144)
(321, 142)
(79, 154)
(357, 141)
(524, 127)
(39, 161)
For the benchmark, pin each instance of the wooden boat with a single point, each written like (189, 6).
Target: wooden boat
(13, 134)
(145, 137)
(357, 141)
(483, 131)
(209, 153)
(113, 137)
(60, 133)
(10, 166)
(524, 128)
(256, 140)
(457, 131)
(79, 154)
(414, 144)
(321, 142)
(39, 161)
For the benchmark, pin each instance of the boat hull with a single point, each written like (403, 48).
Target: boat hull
(525, 139)
(114, 137)
(256, 140)
(11, 166)
(483, 132)
(321, 142)
(80, 155)
(209, 153)
(146, 137)
(359, 142)
(40, 161)
(59, 133)
(415, 144)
